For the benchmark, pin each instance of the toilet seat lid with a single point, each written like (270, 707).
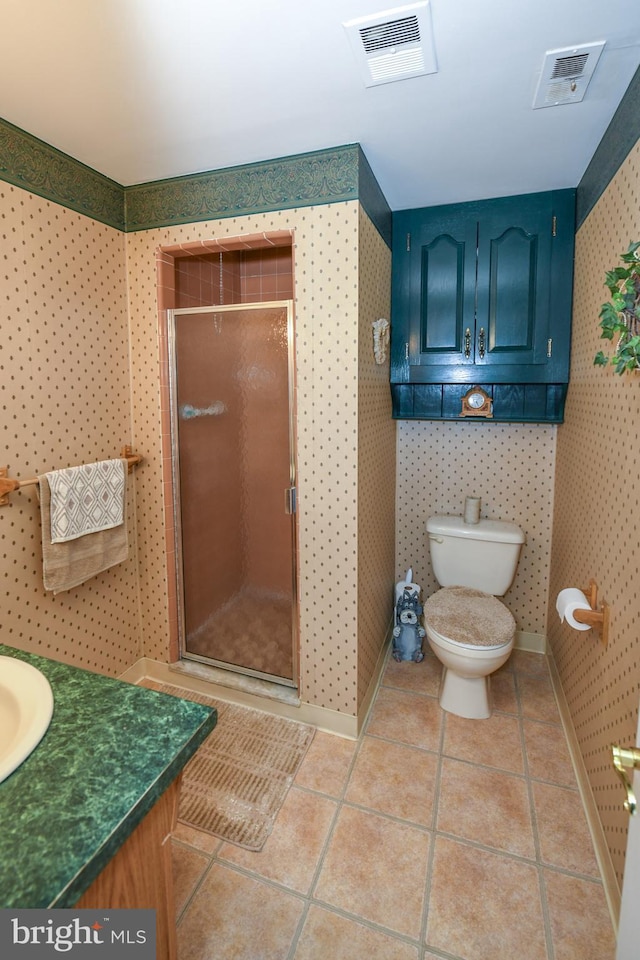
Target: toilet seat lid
(469, 616)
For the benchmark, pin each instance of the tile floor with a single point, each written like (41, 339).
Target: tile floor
(431, 837)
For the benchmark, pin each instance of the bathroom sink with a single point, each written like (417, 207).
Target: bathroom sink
(26, 706)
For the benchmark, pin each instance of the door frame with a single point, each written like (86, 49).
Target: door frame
(172, 313)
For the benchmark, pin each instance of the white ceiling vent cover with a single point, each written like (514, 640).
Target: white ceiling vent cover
(395, 44)
(566, 74)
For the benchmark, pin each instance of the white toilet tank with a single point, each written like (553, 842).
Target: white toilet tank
(481, 555)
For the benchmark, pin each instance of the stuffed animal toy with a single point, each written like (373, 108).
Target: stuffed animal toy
(408, 633)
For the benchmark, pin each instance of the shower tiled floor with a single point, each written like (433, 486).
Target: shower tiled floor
(252, 630)
(431, 837)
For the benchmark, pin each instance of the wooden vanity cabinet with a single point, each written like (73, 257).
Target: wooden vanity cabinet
(140, 874)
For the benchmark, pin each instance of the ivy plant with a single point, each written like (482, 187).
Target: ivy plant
(620, 316)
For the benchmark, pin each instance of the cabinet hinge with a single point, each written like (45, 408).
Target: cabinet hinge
(554, 226)
(408, 243)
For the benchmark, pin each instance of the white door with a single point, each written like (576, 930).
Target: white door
(629, 931)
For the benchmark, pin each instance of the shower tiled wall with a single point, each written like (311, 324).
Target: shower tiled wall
(239, 277)
(595, 528)
(510, 467)
(65, 389)
(330, 417)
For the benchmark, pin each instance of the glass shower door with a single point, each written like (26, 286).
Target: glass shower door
(232, 416)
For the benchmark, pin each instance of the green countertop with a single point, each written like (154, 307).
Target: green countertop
(110, 752)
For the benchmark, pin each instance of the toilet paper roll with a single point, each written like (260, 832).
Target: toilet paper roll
(568, 602)
(412, 587)
(472, 510)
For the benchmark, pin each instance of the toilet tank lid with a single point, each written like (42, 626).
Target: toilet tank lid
(498, 531)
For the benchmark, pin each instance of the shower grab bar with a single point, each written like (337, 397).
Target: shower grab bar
(11, 484)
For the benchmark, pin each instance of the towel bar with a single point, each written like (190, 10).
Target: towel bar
(10, 484)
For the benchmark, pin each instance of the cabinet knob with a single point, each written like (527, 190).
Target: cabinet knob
(467, 343)
(481, 343)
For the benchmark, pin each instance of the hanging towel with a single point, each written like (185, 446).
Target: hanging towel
(86, 499)
(66, 565)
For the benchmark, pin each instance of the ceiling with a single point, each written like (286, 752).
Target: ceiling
(143, 90)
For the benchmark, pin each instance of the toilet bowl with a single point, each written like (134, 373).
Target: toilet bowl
(472, 635)
(468, 628)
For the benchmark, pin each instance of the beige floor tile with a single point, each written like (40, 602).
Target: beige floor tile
(232, 913)
(328, 936)
(548, 754)
(395, 779)
(188, 867)
(359, 818)
(421, 677)
(526, 662)
(375, 868)
(565, 840)
(484, 905)
(487, 806)
(494, 742)
(292, 851)
(538, 699)
(406, 717)
(326, 764)
(581, 927)
(206, 842)
(503, 692)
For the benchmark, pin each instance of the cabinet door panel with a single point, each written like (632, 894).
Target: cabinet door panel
(512, 291)
(444, 254)
(514, 252)
(442, 297)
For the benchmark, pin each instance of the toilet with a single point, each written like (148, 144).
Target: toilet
(470, 631)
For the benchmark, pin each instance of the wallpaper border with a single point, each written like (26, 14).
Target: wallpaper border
(619, 139)
(323, 176)
(36, 166)
(309, 179)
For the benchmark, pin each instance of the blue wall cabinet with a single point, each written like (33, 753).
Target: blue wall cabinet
(481, 294)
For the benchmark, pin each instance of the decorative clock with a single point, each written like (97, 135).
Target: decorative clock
(477, 403)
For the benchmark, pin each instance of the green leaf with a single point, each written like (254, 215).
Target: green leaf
(620, 316)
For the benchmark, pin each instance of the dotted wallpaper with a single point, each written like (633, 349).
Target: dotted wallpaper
(376, 461)
(596, 519)
(510, 467)
(326, 255)
(64, 383)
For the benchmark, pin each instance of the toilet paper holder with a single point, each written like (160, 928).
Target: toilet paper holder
(597, 618)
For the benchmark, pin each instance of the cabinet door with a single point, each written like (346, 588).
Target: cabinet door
(501, 269)
(513, 288)
(434, 264)
(444, 254)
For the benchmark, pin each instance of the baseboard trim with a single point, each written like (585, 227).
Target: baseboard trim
(365, 708)
(533, 642)
(190, 678)
(607, 873)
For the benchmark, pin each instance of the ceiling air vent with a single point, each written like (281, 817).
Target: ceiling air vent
(566, 74)
(395, 44)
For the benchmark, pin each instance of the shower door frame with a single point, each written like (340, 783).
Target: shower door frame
(289, 494)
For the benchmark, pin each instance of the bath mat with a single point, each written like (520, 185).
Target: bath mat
(236, 782)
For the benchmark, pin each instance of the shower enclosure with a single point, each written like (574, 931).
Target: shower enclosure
(231, 388)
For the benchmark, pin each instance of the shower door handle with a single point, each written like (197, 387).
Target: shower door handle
(290, 500)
